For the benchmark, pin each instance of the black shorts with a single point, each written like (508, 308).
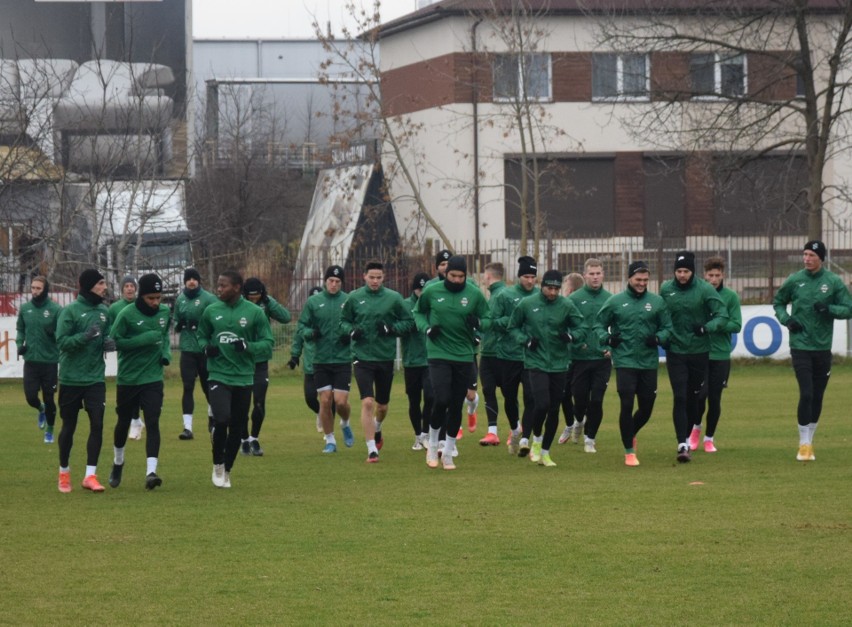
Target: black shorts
(337, 377)
(374, 379)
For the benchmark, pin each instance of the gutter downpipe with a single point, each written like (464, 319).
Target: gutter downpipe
(475, 98)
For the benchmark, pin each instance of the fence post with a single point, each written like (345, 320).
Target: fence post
(771, 266)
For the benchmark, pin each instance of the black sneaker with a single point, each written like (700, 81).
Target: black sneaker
(373, 458)
(245, 449)
(255, 448)
(152, 481)
(683, 455)
(379, 442)
(115, 475)
(186, 434)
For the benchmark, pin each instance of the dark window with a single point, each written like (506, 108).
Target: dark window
(664, 197)
(619, 76)
(713, 74)
(519, 76)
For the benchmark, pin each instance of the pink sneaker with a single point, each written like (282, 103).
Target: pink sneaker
(693, 439)
(709, 447)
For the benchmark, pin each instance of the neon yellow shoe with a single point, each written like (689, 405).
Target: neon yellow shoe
(806, 453)
(546, 461)
(535, 452)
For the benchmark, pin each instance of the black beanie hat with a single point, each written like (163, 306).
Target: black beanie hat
(457, 262)
(442, 256)
(637, 266)
(817, 247)
(316, 289)
(150, 284)
(191, 273)
(552, 278)
(253, 285)
(88, 279)
(334, 271)
(527, 265)
(685, 259)
(419, 282)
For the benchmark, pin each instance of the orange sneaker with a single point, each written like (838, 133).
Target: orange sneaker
(630, 459)
(64, 482)
(91, 483)
(490, 439)
(461, 433)
(471, 422)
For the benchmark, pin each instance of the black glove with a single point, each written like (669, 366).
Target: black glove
(651, 341)
(345, 339)
(23, 350)
(566, 337)
(92, 332)
(699, 330)
(821, 308)
(211, 350)
(433, 332)
(356, 334)
(239, 345)
(164, 362)
(477, 340)
(294, 361)
(614, 340)
(532, 343)
(314, 335)
(383, 329)
(179, 326)
(193, 326)
(109, 345)
(50, 331)
(794, 326)
(472, 321)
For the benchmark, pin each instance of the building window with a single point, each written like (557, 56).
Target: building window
(620, 76)
(522, 77)
(717, 75)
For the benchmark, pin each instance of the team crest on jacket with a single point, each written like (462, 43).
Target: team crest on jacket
(823, 288)
(464, 301)
(243, 322)
(103, 318)
(648, 307)
(197, 302)
(162, 322)
(46, 313)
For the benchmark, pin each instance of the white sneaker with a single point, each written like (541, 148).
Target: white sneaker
(566, 435)
(418, 445)
(431, 457)
(227, 482)
(577, 432)
(219, 475)
(136, 426)
(589, 446)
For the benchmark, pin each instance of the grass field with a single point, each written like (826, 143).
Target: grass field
(745, 536)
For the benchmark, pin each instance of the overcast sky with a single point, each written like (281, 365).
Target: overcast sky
(276, 19)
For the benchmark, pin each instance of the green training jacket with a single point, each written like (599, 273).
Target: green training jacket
(413, 342)
(188, 311)
(364, 309)
(438, 306)
(142, 343)
(720, 340)
(501, 308)
(304, 350)
(322, 312)
(116, 308)
(36, 328)
(488, 348)
(636, 317)
(542, 319)
(81, 361)
(804, 289)
(589, 303)
(222, 324)
(274, 311)
(690, 305)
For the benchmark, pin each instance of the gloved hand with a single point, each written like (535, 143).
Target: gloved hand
(239, 345)
(477, 340)
(179, 326)
(193, 326)
(314, 335)
(23, 350)
(651, 341)
(614, 340)
(211, 350)
(532, 343)
(92, 332)
(472, 321)
(50, 331)
(345, 339)
(566, 337)
(383, 329)
(433, 332)
(794, 326)
(109, 345)
(294, 361)
(356, 334)
(164, 362)
(821, 308)
(699, 330)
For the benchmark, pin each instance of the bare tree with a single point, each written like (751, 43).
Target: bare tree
(746, 80)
